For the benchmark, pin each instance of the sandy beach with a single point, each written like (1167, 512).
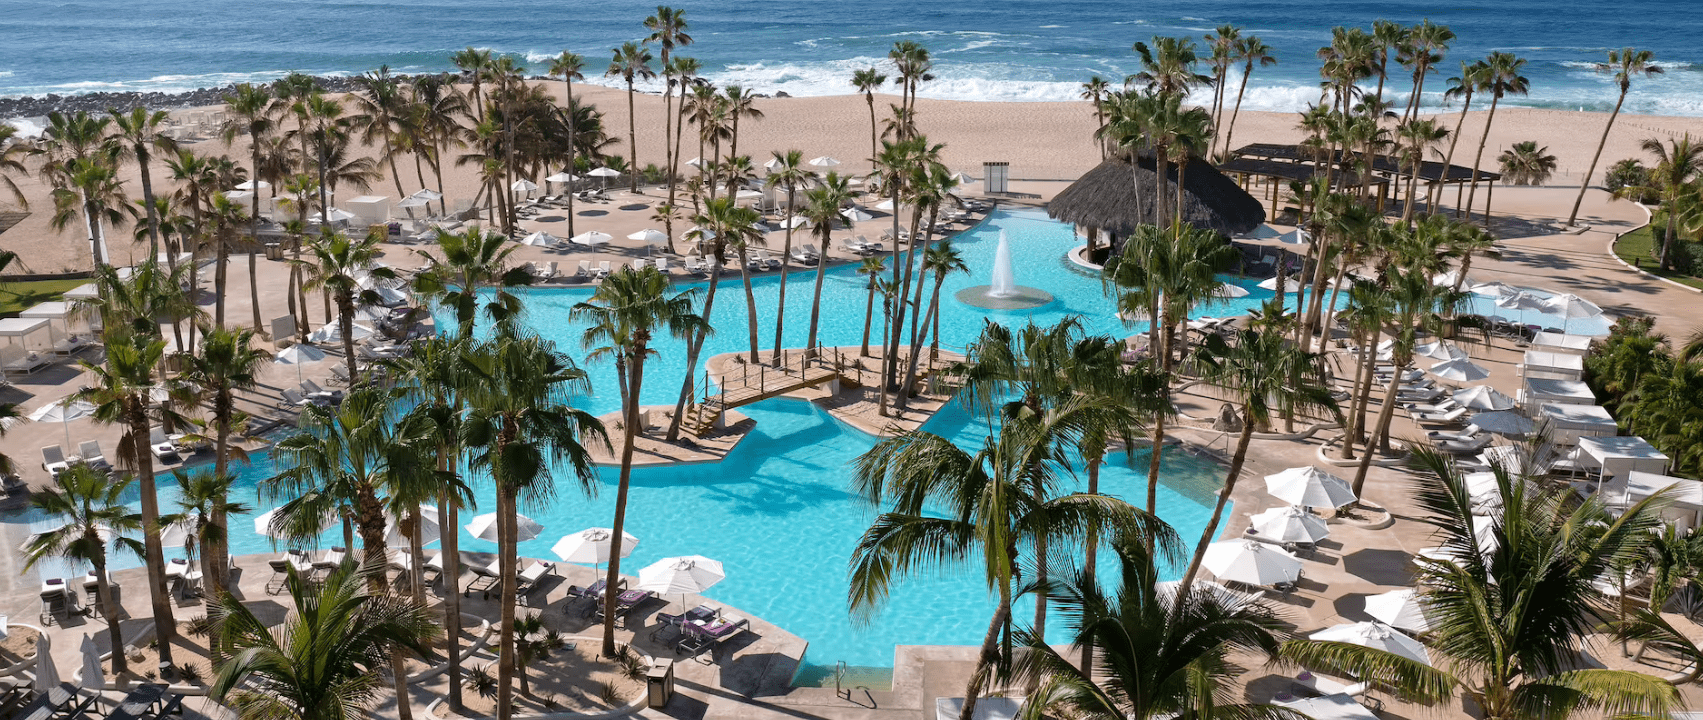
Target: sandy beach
(1041, 141)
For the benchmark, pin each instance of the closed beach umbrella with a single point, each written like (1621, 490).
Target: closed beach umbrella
(1503, 422)
(1440, 351)
(1290, 524)
(855, 214)
(484, 527)
(540, 239)
(523, 185)
(592, 239)
(46, 672)
(824, 161)
(94, 675)
(679, 575)
(1309, 486)
(1377, 636)
(263, 523)
(1483, 397)
(591, 546)
(562, 177)
(1399, 609)
(1462, 370)
(1251, 563)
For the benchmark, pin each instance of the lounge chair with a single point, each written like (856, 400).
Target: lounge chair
(64, 701)
(1457, 447)
(528, 578)
(314, 392)
(433, 568)
(56, 600)
(700, 614)
(603, 269)
(803, 254)
(293, 400)
(53, 460)
(485, 579)
(92, 455)
(709, 636)
(697, 265)
(662, 265)
(1419, 395)
(16, 359)
(1452, 417)
(329, 561)
(1470, 434)
(624, 603)
(585, 270)
(148, 701)
(164, 449)
(339, 374)
(1443, 406)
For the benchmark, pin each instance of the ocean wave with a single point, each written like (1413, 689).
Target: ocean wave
(160, 83)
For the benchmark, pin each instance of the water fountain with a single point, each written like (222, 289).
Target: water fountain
(1002, 291)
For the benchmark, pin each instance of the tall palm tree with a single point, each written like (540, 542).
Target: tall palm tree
(93, 193)
(203, 504)
(473, 275)
(1677, 165)
(381, 109)
(1625, 64)
(947, 505)
(668, 30)
(1416, 304)
(91, 507)
(251, 110)
(740, 241)
(631, 63)
(227, 362)
(822, 209)
(683, 71)
(1095, 91)
(1504, 78)
(319, 664)
(1414, 138)
(138, 132)
(872, 267)
(1525, 164)
(621, 318)
(1223, 43)
(940, 260)
(1259, 372)
(339, 264)
(741, 103)
(721, 222)
(1424, 47)
(1167, 67)
(1387, 37)
(866, 81)
(790, 174)
(569, 67)
(12, 152)
(912, 63)
(1474, 78)
(523, 432)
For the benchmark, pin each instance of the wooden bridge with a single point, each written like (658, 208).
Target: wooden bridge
(750, 383)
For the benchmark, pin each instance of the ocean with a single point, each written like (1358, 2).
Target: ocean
(987, 50)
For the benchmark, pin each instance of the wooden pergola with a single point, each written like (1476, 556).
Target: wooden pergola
(1269, 157)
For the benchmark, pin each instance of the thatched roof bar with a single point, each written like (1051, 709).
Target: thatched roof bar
(1116, 197)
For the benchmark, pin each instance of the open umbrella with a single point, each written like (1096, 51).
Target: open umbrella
(425, 194)
(484, 527)
(1251, 563)
(1263, 232)
(773, 164)
(592, 238)
(795, 221)
(1398, 608)
(252, 185)
(855, 214)
(1226, 291)
(963, 178)
(885, 205)
(604, 173)
(1292, 284)
(541, 239)
(1570, 306)
(649, 236)
(333, 332)
(1521, 300)
(1493, 289)
(1225, 595)
(333, 215)
(1462, 370)
(263, 523)
(696, 162)
(824, 161)
(1440, 350)
(747, 195)
(412, 202)
(63, 412)
(1309, 486)
(1295, 237)
(1377, 636)
(1446, 279)
(1504, 422)
(591, 546)
(562, 177)
(1290, 524)
(681, 575)
(1483, 397)
(523, 185)
(431, 528)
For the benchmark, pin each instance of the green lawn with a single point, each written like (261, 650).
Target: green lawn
(16, 297)
(1635, 248)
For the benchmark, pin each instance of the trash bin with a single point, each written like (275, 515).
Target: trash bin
(659, 681)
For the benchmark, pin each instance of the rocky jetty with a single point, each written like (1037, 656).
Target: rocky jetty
(37, 106)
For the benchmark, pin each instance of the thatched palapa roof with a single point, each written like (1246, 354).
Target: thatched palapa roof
(1116, 198)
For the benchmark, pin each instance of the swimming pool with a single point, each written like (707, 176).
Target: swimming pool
(778, 512)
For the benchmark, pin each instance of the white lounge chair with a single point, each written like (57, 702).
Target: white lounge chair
(639, 264)
(603, 269)
(92, 455)
(53, 460)
(697, 265)
(585, 270)
(164, 449)
(1451, 417)
(662, 265)
(1460, 447)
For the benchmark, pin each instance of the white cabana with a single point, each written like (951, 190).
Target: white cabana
(1617, 456)
(1561, 343)
(61, 325)
(369, 209)
(1552, 365)
(1685, 497)
(1568, 423)
(27, 334)
(1540, 391)
(86, 291)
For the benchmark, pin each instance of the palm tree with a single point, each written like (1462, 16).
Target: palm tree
(668, 30)
(138, 132)
(569, 67)
(381, 108)
(1095, 91)
(1504, 78)
(791, 173)
(251, 113)
(1677, 165)
(684, 71)
(940, 259)
(1424, 47)
(91, 191)
(631, 63)
(92, 507)
(227, 362)
(1526, 164)
(1415, 304)
(1626, 64)
(338, 265)
(473, 275)
(524, 432)
(12, 150)
(1474, 78)
(121, 392)
(203, 505)
(1259, 371)
(1387, 37)
(1223, 43)
(621, 316)
(319, 664)
(1167, 67)
(912, 63)
(866, 81)
(872, 267)
(947, 506)
(741, 103)
(1414, 138)
(822, 209)
(720, 223)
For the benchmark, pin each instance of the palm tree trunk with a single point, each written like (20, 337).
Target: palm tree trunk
(506, 550)
(1479, 158)
(165, 623)
(750, 301)
(254, 291)
(1230, 131)
(573, 165)
(873, 146)
(1384, 415)
(934, 311)
(223, 259)
(214, 554)
(632, 139)
(1211, 530)
(449, 581)
(1449, 157)
(693, 347)
(816, 298)
(115, 633)
(988, 658)
(1093, 458)
(786, 263)
(612, 581)
(346, 323)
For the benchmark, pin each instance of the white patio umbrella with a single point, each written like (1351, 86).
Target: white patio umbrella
(649, 236)
(1570, 306)
(1249, 562)
(773, 164)
(94, 674)
(333, 332)
(46, 671)
(1291, 284)
(412, 202)
(1440, 350)
(63, 412)
(1229, 290)
(101, 531)
(1446, 279)
(250, 185)
(334, 215)
(1309, 486)
(592, 238)
(263, 522)
(1225, 595)
(1462, 370)
(523, 185)
(1483, 397)
(885, 205)
(747, 194)
(795, 221)
(298, 355)
(604, 173)
(541, 239)
(426, 194)
(963, 178)
(696, 162)
(1504, 422)
(681, 575)
(1290, 524)
(1520, 300)
(562, 177)
(698, 234)
(1492, 289)
(1295, 237)
(1400, 609)
(177, 534)
(431, 527)
(1377, 636)
(824, 161)
(856, 214)
(591, 546)
(484, 527)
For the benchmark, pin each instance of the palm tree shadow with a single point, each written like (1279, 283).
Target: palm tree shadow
(1379, 567)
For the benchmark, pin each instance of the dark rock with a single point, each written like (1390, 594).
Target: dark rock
(781, 94)
(37, 106)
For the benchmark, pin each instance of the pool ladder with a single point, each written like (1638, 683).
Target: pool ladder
(840, 670)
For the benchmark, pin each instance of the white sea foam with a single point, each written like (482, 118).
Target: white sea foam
(158, 83)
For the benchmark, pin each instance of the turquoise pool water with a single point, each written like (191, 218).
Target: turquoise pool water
(777, 512)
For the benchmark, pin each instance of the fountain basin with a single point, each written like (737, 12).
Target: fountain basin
(1018, 297)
